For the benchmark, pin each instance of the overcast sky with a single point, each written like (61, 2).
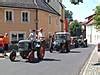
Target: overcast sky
(81, 11)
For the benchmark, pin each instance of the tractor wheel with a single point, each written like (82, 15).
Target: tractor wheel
(65, 48)
(41, 53)
(31, 56)
(12, 56)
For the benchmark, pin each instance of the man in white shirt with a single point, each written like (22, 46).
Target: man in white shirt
(40, 34)
(32, 35)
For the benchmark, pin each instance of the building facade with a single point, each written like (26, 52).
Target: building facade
(60, 8)
(92, 34)
(19, 17)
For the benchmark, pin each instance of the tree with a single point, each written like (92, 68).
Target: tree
(68, 14)
(76, 1)
(97, 17)
(75, 28)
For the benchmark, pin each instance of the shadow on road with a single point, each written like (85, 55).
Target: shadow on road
(97, 64)
(26, 61)
(36, 60)
(49, 59)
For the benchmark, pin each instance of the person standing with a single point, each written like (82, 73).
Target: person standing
(6, 42)
(32, 35)
(51, 38)
(41, 37)
(40, 34)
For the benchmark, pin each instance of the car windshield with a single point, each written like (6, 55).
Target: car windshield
(60, 36)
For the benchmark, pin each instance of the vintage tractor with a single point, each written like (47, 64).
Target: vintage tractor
(61, 42)
(26, 48)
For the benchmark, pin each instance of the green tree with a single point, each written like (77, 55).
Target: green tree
(76, 1)
(97, 17)
(69, 14)
(75, 28)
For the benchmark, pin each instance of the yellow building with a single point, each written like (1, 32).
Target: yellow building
(18, 17)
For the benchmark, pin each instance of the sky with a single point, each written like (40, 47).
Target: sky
(83, 10)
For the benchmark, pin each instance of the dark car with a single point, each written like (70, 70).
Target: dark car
(61, 42)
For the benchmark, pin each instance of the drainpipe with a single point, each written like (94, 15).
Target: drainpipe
(61, 20)
(36, 19)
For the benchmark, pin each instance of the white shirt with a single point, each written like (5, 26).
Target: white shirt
(32, 36)
(40, 35)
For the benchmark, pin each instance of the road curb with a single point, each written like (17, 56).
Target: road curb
(85, 67)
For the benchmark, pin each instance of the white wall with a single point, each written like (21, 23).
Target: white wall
(92, 34)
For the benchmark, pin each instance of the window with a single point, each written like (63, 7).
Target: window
(8, 15)
(16, 36)
(49, 19)
(25, 16)
(20, 36)
(57, 21)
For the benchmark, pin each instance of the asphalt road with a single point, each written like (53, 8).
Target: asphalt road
(53, 64)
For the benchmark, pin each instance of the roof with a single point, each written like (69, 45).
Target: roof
(17, 5)
(46, 7)
(89, 22)
(90, 19)
(62, 5)
(40, 4)
(90, 16)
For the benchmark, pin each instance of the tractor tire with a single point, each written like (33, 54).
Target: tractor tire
(12, 56)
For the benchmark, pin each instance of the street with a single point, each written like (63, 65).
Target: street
(53, 64)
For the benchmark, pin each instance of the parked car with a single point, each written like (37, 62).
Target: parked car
(26, 48)
(61, 42)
